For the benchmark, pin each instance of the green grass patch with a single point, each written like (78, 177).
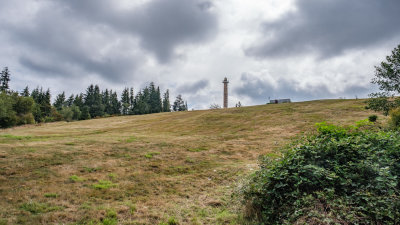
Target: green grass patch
(14, 137)
(50, 195)
(151, 154)
(37, 207)
(91, 169)
(170, 221)
(198, 149)
(112, 176)
(130, 139)
(103, 185)
(75, 178)
(70, 144)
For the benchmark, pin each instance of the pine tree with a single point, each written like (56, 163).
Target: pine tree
(59, 103)
(166, 104)
(78, 101)
(25, 92)
(152, 98)
(4, 80)
(107, 102)
(132, 101)
(93, 100)
(115, 104)
(85, 115)
(159, 101)
(70, 100)
(125, 101)
(179, 104)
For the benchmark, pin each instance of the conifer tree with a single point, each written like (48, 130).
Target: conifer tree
(4, 80)
(125, 101)
(132, 101)
(115, 104)
(59, 103)
(25, 92)
(179, 104)
(78, 101)
(70, 100)
(107, 101)
(159, 101)
(166, 104)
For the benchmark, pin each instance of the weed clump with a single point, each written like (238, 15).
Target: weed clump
(50, 195)
(75, 178)
(341, 175)
(37, 207)
(103, 185)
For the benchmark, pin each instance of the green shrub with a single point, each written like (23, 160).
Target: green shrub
(25, 119)
(67, 114)
(340, 175)
(394, 121)
(8, 116)
(372, 118)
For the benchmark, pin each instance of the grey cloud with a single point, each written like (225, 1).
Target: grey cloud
(161, 25)
(193, 88)
(75, 38)
(259, 90)
(328, 28)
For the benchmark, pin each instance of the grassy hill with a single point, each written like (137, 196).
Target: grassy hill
(149, 169)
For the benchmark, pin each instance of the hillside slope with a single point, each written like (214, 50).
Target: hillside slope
(180, 166)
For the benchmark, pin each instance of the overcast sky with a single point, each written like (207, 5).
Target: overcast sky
(298, 49)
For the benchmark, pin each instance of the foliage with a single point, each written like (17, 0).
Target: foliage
(387, 77)
(8, 116)
(67, 114)
(37, 207)
(75, 178)
(179, 104)
(166, 104)
(342, 175)
(394, 121)
(104, 184)
(26, 108)
(372, 118)
(215, 106)
(4, 80)
(15, 110)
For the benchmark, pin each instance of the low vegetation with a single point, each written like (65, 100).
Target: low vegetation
(337, 176)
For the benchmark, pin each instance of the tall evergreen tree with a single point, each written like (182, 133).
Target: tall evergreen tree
(132, 101)
(166, 104)
(59, 103)
(107, 102)
(4, 80)
(25, 92)
(94, 101)
(125, 101)
(78, 101)
(70, 100)
(179, 104)
(115, 104)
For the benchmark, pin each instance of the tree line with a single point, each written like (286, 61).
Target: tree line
(28, 107)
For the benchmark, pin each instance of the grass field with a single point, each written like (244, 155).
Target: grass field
(153, 169)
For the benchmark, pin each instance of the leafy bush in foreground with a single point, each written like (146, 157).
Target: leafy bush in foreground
(340, 175)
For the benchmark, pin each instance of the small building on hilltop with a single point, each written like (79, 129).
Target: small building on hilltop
(279, 101)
